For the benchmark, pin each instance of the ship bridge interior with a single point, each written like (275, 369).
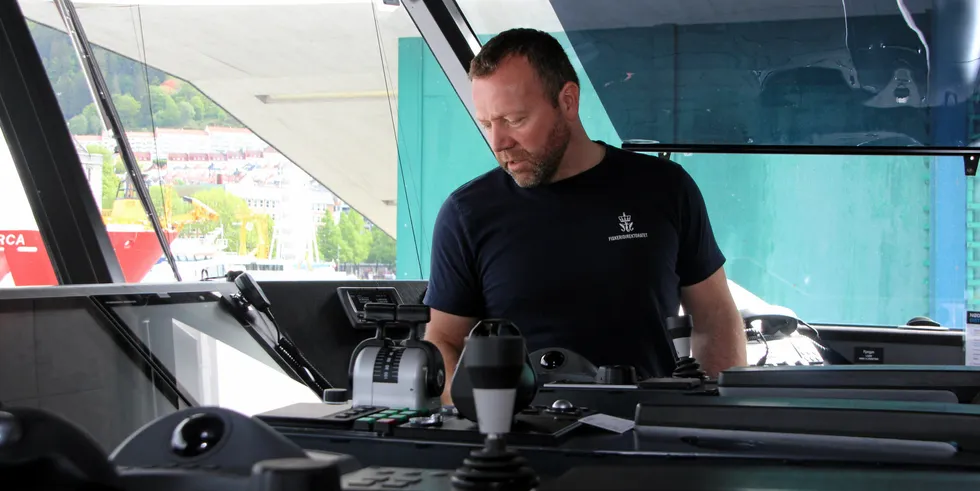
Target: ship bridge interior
(158, 147)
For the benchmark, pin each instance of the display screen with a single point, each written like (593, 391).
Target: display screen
(360, 298)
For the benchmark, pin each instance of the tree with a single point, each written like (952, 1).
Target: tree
(328, 238)
(355, 238)
(231, 209)
(383, 248)
(234, 213)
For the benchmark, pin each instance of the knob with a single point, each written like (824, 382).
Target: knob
(616, 375)
(335, 396)
(562, 406)
(9, 429)
(552, 360)
(295, 475)
(197, 435)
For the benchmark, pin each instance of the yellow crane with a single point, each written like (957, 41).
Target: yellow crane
(259, 223)
(128, 210)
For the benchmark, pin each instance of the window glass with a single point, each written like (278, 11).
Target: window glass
(768, 72)
(24, 260)
(839, 239)
(272, 136)
(132, 234)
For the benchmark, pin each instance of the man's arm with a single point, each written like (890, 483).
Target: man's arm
(718, 341)
(448, 332)
(454, 295)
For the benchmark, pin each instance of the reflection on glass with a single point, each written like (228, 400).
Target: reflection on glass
(215, 360)
(775, 72)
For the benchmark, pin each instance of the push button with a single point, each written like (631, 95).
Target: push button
(364, 424)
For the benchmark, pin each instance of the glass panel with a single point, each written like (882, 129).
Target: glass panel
(215, 360)
(838, 239)
(24, 259)
(766, 72)
(282, 121)
(59, 355)
(841, 239)
(130, 230)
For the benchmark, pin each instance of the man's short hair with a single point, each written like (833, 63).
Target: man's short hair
(541, 50)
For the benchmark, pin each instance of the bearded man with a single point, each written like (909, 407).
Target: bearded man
(582, 245)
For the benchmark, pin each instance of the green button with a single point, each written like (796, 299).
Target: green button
(399, 418)
(410, 414)
(367, 419)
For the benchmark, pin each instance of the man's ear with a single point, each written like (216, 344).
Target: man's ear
(568, 100)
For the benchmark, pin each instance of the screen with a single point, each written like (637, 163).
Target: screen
(360, 298)
(215, 359)
(62, 355)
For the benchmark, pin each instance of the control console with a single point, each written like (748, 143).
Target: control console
(215, 449)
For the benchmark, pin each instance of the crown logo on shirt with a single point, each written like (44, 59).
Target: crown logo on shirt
(625, 222)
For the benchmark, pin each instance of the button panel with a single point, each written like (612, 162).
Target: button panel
(407, 479)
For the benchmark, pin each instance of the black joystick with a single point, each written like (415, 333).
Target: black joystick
(197, 435)
(495, 364)
(680, 329)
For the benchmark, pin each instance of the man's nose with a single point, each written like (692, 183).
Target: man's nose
(500, 139)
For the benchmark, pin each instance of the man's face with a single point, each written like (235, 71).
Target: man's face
(527, 132)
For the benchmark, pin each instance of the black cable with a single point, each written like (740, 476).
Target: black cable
(816, 333)
(275, 324)
(759, 335)
(310, 375)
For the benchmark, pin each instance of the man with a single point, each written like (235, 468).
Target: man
(583, 246)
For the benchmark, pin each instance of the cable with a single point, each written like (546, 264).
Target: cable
(275, 324)
(816, 333)
(394, 132)
(755, 334)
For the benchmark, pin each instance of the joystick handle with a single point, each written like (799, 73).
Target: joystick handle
(680, 329)
(494, 364)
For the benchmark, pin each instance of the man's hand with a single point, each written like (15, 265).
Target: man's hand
(718, 341)
(448, 332)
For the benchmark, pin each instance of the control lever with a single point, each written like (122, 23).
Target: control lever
(495, 365)
(407, 373)
(680, 329)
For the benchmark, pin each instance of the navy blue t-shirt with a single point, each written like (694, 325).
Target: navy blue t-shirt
(593, 263)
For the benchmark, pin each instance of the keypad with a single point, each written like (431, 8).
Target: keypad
(407, 479)
(384, 419)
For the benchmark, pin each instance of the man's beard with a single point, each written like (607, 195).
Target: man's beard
(544, 165)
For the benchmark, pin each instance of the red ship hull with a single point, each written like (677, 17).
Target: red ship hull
(23, 255)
